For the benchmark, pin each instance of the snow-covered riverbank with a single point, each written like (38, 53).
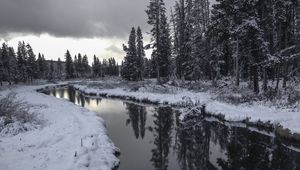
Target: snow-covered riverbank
(255, 112)
(71, 137)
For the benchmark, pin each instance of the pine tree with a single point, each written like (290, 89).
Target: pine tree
(76, 67)
(85, 66)
(183, 25)
(59, 68)
(164, 53)
(130, 68)
(95, 64)
(69, 65)
(46, 67)
(161, 42)
(31, 63)
(140, 54)
(22, 62)
(41, 69)
(51, 72)
(13, 69)
(4, 61)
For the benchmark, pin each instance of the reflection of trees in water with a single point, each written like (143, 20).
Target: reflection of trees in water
(219, 134)
(76, 97)
(61, 93)
(251, 150)
(72, 94)
(54, 93)
(98, 101)
(163, 122)
(192, 145)
(244, 148)
(137, 118)
(80, 99)
(283, 158)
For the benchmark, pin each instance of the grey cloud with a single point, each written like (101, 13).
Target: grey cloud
(114, 49)
(73, 18)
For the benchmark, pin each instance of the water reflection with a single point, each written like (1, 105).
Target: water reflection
(154, 138)
(137, 119)
(163, 125)
(192, 145)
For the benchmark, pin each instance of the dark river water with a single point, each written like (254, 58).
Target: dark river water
(153, 138)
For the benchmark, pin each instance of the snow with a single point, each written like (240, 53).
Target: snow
(71, 137)
(182, 97)
(179, 98)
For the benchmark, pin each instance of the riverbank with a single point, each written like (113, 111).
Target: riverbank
(70, 137)
(285, 120)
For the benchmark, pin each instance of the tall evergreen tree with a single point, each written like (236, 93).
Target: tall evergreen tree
(69, 65)
(183, 25)
(59, 68)
(4, 61)
(161, 42)
(31, 63)
(85, 66)
(130, 68)
(22, 61)
(52, 70)
(140, 54)
(13, 69)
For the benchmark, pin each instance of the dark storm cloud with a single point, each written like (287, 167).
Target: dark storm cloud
(72, 18)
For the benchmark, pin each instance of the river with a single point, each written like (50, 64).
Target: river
(152, 137)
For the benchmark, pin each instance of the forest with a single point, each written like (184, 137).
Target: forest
(244, 41)
(256, 42)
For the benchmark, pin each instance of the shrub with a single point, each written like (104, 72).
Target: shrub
(15, 115)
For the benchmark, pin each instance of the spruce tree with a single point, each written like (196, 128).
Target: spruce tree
(95, 67)
(51, 72)
(4, 61)
(41, 69)
(69, 65)
(31, 63)
(130, 69)
(85, 66)
(183, 25)
(140, 54)
(59, 68)
(13, 69)
(22, 62)
(161, 42)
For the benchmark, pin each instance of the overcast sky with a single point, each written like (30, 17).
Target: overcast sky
(87, 26)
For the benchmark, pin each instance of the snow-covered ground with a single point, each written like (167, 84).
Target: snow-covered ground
(255, 112)
(70, 137)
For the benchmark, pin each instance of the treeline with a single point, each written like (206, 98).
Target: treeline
(24, 66)
(79, 67)
(250, 41)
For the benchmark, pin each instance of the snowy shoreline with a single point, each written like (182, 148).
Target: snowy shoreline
(57, 144)
(284, 121)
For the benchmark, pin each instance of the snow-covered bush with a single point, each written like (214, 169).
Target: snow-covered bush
(15, 115)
